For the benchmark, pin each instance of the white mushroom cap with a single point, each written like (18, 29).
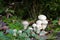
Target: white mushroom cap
(44, 27)
(42, 17)
(34, 25)
(39, 27)
(44, 24)
(38, 22)
(25, 24)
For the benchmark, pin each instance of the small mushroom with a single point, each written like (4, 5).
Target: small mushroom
(34, 27)
(25, 24)
(38, 24)
(42, 17)
(44, 24)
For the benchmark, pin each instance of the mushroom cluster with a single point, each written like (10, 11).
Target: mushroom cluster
(41, 23)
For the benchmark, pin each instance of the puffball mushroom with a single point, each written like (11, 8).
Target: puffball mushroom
(25, 23)
(44, 24)
(39, 27)
(42, 17)
(38, 24)
(34, 25)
